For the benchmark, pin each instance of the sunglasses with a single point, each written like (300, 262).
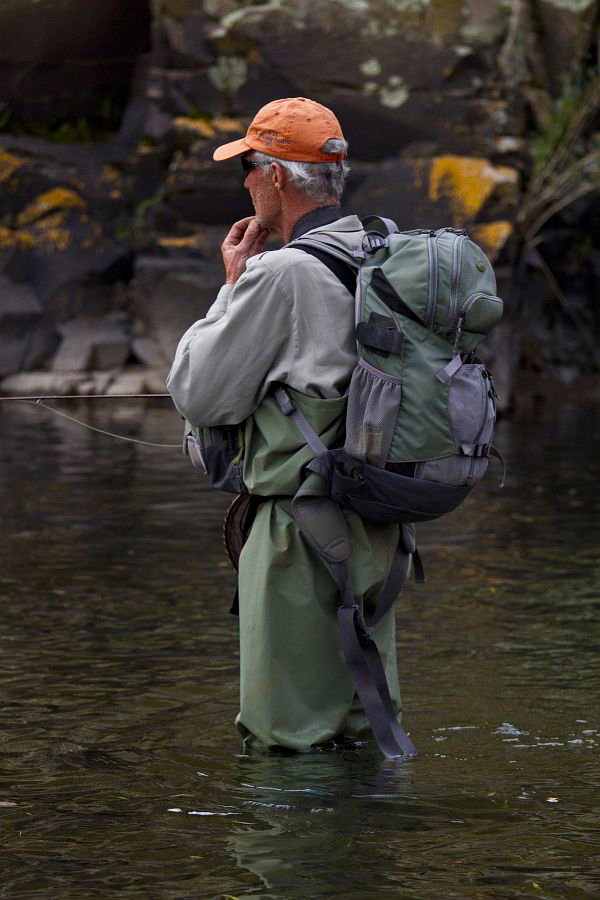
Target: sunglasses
(247, 165)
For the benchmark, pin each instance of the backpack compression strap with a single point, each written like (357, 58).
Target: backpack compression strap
(323, 525)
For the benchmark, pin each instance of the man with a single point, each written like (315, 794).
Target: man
(284, 318)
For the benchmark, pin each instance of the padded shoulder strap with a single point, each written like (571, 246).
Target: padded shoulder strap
(344, 272)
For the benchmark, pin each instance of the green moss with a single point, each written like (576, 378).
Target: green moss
(197, 115)
(92, 129)
(80, 131)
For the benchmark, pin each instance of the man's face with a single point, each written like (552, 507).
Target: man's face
(266, 198)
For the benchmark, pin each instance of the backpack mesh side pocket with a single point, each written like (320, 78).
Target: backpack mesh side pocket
(373, 402)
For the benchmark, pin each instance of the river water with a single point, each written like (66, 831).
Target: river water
(122, 774)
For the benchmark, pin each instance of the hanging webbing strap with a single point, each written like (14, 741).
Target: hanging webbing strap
(398, 574)
(368, 675)
(323, 525)
(493, 451)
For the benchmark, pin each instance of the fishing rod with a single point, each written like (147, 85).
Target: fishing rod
(40, 401)
(84, 397)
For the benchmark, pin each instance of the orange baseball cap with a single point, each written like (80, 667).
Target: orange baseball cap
(294, 129)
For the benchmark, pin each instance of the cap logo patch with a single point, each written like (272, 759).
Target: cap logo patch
(267, 137)
(271, 137)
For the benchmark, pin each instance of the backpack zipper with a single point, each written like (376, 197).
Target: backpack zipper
(433, 267)
(457, 254)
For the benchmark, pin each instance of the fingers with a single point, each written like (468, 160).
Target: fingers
(238, 231)
(246, 238)
(261, 240)
(252, 234)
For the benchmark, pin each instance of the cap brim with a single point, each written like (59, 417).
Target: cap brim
(233, 148)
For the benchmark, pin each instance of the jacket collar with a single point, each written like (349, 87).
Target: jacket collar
(316, 218)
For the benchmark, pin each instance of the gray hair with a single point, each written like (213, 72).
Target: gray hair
(319, 181)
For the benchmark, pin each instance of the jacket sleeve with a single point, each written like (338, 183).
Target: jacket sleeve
(220, 372)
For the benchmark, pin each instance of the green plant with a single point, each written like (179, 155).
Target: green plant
(548, 141)
(565, 155)
(197, 114)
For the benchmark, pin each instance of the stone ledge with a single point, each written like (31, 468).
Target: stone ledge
(131, 380)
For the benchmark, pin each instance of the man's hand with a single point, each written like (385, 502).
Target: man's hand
(245, 239)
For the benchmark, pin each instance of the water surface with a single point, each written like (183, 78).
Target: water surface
(122, 774)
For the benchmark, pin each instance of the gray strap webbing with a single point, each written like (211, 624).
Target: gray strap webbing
(398, 574)
(418, 569)
(493, 451)
(450, 369)
(394, 583)
(368, 675)
(288, 408)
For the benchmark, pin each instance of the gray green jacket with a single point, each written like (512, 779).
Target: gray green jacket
(287, 320)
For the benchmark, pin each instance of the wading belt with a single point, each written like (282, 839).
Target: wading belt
(324, 527)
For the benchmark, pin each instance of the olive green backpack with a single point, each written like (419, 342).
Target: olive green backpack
(421, 404)
(419, 422)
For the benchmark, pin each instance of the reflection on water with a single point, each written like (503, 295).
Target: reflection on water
(122, 773)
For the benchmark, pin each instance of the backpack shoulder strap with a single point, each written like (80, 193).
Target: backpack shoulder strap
(344, 272)
(380, 224)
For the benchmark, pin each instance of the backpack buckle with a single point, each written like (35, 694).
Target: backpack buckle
(373, 242)
(477, 451)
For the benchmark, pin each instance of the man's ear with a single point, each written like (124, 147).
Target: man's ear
(279, 176)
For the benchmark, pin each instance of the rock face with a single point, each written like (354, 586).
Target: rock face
(395, 71)
(109, 246)
(63, 59)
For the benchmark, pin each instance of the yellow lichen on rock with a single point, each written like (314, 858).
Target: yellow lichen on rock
(10, 238)
(109, 174)
(9, 163)
(54, 220)
(492, 236)
(467, 182)
(192, 241)
(225, 124)
(53, 239)
(199, 127)
(57, 198)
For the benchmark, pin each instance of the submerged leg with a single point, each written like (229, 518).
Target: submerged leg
(295, 689)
